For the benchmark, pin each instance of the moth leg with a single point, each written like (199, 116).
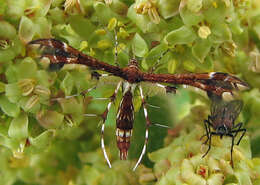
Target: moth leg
(152, 69)
(104, 117)
(148, 123)
(95, 75)
(168, 89)
(74, 95)
(83, 93)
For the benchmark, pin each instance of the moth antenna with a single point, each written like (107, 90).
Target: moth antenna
(104, 117)
(116, 51)
(132, 53)
(148, 123)
(112, 37)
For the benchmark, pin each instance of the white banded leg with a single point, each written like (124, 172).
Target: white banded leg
(88, 90)
(148, 123)
(104, 117)
(97, 75)
(74, 95)
(152, 69)
(168, 89)
(81, 93)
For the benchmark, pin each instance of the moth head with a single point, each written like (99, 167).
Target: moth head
(133, 62)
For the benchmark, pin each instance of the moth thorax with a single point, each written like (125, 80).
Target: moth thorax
(123, 142)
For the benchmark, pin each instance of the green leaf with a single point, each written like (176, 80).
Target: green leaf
(160, 154)
(220, 33)
(6, 55)
(142, 21)
(45, 6)
(13, 92)
(9, 143)
(215, 15)
(50, 119)
(67, 84)
(18, 128)
(26, 29)
(207, 65)
(2, 87)
(44, 78)
(103, 12)
(194, 5)
(42, 140)
(22, 69)
(56, 15)
(7, 30)
(91, 175)
(155, 53)
(30, 103)
(81, 26)
(11, 73)
(71, 106)
(139, 46)
(3, 7)
(15, 9)
(183, 35)
(243, 176)
(190, 18)
(172, 64)
(189, 65)
(201, 49)
(168, 9)
(11, 109)
(42, 27)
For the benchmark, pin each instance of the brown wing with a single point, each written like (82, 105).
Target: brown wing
(215, 82)
(233, 109)
(61, 53)
(217, 109)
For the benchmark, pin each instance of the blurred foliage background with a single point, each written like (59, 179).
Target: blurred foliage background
(47, 139)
